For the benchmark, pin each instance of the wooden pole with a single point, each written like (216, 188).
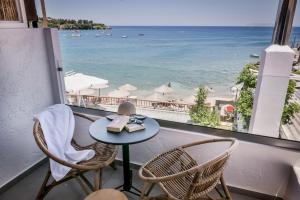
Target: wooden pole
(45, 20)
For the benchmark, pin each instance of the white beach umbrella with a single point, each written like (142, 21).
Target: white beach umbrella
(128, 87)
(163, 89)
(87, 92)
(78, 81)
(156, 97)
(99, 87)
(119, 93)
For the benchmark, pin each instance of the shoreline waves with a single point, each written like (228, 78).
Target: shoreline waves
(152, 56)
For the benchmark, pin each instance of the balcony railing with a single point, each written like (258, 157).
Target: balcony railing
(139, 103)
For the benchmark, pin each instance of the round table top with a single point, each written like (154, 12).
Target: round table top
(98, 132)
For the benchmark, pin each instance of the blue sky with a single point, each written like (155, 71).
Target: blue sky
(170, 12)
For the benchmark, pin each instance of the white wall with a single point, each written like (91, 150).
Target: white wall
(25, 89)
(255, 167)
(293, 191)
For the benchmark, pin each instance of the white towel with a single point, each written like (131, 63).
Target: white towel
(58, 123)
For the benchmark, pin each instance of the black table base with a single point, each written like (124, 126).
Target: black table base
(127, 185)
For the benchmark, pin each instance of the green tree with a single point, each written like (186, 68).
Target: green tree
(245, 101)
(290, 108)
(201, 113)
(244, 105)
(247, 77)
(73, 24)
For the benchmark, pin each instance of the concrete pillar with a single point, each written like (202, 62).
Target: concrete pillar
(271, 88)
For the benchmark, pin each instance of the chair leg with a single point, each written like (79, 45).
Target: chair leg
(146, 190)
(97, 179)
(113, 165)
(224, 187)
(43, 190)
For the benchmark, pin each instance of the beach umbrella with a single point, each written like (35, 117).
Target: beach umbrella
(228, 108)
(207, 88)
(189, 100)
(156, 97)
(78, 81)
(119, 93)
(127, 87)
(87, 92)
(163, 89)
(99, 87)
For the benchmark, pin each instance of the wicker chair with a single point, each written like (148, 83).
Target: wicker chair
(181, 178)
(105, 156)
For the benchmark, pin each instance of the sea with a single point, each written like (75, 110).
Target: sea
(150, 56)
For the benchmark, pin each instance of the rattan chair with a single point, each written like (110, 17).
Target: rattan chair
(107, 194)
(181, 178)
(105, 156)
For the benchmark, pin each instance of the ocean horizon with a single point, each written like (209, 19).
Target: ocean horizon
(149, 56)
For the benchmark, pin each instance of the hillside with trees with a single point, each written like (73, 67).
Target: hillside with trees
(72, 24)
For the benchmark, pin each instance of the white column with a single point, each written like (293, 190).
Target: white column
(54, 54)
(271, 88)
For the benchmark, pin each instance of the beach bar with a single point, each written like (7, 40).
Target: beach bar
(63, 138)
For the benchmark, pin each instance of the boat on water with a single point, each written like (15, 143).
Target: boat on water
(76, 34)
(141, 34)
(254, 55)
(97, 35)
(109, 34)
(124, 36)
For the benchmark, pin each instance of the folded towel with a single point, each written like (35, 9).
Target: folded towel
(58, 123)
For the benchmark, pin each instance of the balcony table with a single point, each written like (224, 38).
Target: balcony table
(98, 132)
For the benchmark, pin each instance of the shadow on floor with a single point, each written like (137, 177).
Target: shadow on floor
(27, 188)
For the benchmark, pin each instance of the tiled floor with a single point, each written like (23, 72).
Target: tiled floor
(27, 188)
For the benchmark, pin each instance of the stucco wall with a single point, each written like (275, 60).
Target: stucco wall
(293, 191)
(25, 89)
(254, 167)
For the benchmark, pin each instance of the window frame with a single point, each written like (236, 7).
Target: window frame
(248, 137)
(22, 22)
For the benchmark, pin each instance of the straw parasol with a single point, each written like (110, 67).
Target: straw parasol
(119, 93)
(128, 87)
(207, 88)
(163, 89)
(190, 99)
(156, 97)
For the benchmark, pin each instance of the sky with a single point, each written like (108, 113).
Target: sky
(169, 12)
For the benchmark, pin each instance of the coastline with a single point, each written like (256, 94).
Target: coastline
(186, 56)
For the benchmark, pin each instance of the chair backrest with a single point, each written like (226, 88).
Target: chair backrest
(39, 137)
(41, 142)
(208, 175)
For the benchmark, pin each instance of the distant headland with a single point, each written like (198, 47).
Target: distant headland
(72, 24)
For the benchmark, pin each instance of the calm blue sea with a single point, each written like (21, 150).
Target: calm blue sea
(185, 56)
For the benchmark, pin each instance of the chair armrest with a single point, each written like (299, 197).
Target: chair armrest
(163, 167)
(155, 179)
(233, 143)
(83, 116)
